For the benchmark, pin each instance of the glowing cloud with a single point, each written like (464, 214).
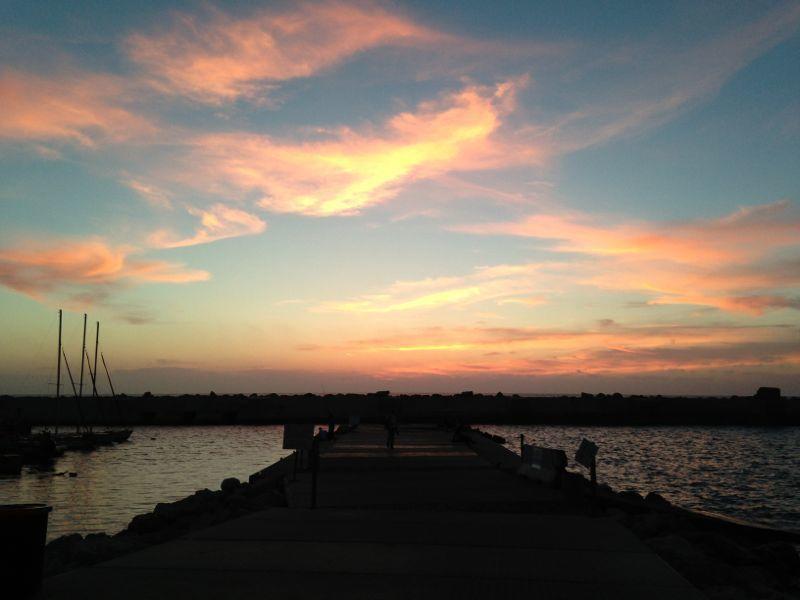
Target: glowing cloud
(83, 109)
(604, 347)
(222, 58)
(217, 223)
(703, 262)
(83, 266)
(503, 284)
(354, 170)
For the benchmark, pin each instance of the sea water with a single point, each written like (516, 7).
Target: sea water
(751, 473)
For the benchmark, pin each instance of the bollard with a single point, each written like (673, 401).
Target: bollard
(23, 530)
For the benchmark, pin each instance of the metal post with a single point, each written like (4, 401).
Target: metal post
(83, 351)
(314, 470)
(58, 375)
(94, 370)
(521, 443)
(593, 476)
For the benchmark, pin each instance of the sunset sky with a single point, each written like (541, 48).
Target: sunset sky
(343, 196)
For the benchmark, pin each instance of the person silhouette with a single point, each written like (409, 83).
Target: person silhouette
(331, 426)
(391, 431)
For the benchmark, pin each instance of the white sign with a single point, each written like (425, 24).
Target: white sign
(298, 436)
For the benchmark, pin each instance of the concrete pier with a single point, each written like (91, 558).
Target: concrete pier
(430, 519)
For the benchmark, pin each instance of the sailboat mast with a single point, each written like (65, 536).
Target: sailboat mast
(75, 391)
(83, 351)
(94, 370)
(58, 372)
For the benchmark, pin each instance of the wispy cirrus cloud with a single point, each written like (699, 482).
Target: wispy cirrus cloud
(217, 57)
(726, 263)
(152, 194)
(81, 108)
(701, 262)
(499, 283)
(218, 222)
(84, 269)
(351, 170)
(719, 241)
(648, 82)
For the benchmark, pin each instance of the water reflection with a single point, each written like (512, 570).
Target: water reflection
(158, 464)
(739, 471)
(745, 472)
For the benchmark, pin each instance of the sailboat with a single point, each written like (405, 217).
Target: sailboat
(85, 437)
(109, 435)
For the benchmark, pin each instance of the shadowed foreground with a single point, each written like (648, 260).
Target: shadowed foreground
(431, 519)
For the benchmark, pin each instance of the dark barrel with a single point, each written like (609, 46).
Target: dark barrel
(23, 528)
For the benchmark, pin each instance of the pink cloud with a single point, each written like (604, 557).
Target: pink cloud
(721, 263)
(605, 347)
(221, 57)
(80, 108)
(352, 170)
(216, 223)
(712, 241)
(83, 267)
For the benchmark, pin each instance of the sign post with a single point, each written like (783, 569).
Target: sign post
(314, 470)
(587, 456)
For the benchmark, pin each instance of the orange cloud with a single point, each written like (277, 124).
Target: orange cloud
(715, 262)
(217, 223)
(222, 58)
(82, 266)
(714, 241)
(603, 347)
(82, 108)
(353, 170)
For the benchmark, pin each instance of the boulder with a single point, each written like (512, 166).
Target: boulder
(689, 560)
(631, 496)
(780, 554)
(146, 523)
(656, 499)
(723, 548)
(230, 484)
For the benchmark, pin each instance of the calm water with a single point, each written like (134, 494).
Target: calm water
(745, 472)
(751, 473)
(157, 464)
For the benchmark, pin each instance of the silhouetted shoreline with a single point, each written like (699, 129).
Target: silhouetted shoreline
(763, 408)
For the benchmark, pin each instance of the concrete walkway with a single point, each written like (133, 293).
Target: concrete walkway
(429, 520)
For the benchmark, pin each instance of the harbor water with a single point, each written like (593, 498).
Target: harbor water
(745, 472)
(749, 473)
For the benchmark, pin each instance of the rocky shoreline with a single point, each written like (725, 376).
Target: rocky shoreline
(170, 520)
